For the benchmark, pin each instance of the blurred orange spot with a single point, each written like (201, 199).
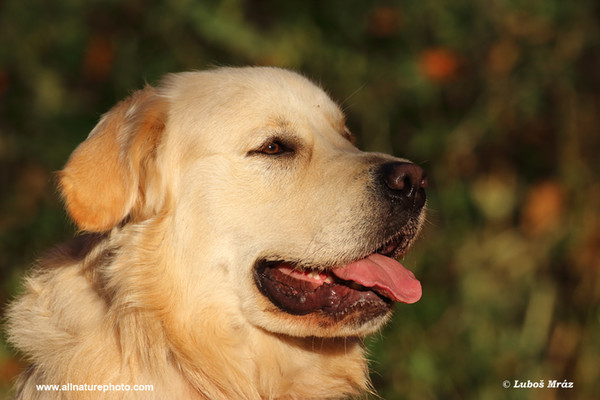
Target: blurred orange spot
(439, 64)
(383, 21)
(98, 58)
(543, 208)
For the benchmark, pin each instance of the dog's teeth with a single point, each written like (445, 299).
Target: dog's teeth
(315, 275)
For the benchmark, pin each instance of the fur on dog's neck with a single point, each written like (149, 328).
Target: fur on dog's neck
(126, 302)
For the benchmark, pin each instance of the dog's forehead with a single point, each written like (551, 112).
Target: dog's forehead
(233, 99)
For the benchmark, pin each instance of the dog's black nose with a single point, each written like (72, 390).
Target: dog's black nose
(406, 182)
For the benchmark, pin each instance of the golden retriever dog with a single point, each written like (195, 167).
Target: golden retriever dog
(234, 244)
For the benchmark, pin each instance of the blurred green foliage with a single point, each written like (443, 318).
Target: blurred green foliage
(498, 100)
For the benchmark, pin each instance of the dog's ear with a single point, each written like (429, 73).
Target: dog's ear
(112, 174)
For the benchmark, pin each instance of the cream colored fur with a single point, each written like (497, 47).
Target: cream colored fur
(175, 211)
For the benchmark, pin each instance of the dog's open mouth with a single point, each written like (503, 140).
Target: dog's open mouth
(372, 283)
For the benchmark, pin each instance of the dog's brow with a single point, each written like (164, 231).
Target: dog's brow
(279, 123)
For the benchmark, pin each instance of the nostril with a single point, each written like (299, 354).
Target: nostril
(405, 178)
(399, 182)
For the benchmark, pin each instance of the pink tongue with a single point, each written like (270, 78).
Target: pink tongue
(385, 274)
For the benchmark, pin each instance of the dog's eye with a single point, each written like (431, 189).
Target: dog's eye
(276, 146)
(273, 148)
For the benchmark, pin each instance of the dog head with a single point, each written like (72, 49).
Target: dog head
(272, 211)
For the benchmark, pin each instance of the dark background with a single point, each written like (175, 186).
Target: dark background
(498, 100)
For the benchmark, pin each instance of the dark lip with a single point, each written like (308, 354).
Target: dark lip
(395, 247)
(400, 242)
